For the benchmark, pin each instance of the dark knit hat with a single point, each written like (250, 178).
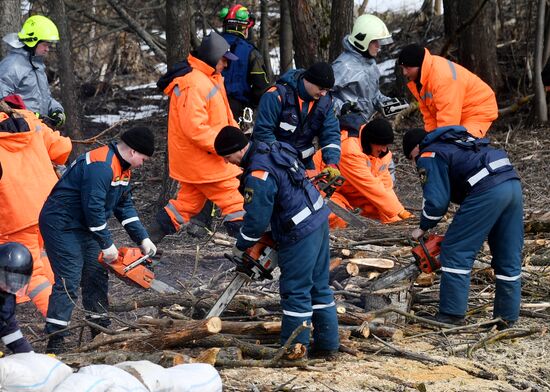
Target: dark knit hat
(378, 131)
(411, 56)
(411, 138)
(320, 74)
(140, 139)
(229, 140)
(213, 48)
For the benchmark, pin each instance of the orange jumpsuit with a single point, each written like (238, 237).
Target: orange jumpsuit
(368, 184)
(198, 111)
(452, 95)
(28, 177)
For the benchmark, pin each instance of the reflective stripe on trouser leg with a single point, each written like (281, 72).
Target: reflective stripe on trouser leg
(471, 225)
(297, 262)
(66, 253)
(506, 243)
(225, 194)
(325, 320)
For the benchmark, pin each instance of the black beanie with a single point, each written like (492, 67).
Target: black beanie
(378, 131)
(229, 140)
(140, 139)
(411, 138)
(411, 56)
(320, 74)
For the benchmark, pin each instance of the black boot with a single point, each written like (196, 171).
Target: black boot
(55, 345)
(199, 225)
(447, 319)
(233, 228)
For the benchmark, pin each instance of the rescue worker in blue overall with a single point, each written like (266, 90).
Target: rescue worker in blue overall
(277, 193)
(245, 79)
(73, 223)
(15, 273)
(298, 109)
(457, 167)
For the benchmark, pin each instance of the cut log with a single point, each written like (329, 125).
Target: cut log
(163, 339)
(425, 280)
(251, 327)
(384, 331)
(369, 263)
(162, 358)
(251, 350)
(334, 262)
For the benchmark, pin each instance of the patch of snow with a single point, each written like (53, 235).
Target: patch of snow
(137, 87)
(141, 113)
(387, 67)
(380, 6)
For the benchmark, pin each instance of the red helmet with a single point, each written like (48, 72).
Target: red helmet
(236, 18)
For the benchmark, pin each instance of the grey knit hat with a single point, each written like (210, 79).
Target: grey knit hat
(213, 48)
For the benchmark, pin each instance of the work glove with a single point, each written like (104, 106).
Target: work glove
(237, 252)
(332, 171)
(58, 118)
(110, 254)
(405, 214)
(417, 234)
(147, 247)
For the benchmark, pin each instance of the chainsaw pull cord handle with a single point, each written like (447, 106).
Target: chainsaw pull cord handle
(431, 260)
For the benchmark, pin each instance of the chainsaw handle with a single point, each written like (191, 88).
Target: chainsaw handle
(243, 267)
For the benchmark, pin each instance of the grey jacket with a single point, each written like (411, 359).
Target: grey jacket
(23, 74)
(356, 80)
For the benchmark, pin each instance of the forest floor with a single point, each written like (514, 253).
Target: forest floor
(423, 359)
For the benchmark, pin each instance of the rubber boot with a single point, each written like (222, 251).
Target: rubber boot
(56, 345)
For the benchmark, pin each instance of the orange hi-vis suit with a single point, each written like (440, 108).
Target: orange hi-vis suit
(28, 177)
(198, 110)
(452, 95)
(368, 184)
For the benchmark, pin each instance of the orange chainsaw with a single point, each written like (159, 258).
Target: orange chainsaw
(257, 263)
(134, 267)
(426, 259)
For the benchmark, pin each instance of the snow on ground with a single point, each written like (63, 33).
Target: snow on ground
(380, 6)
(135, 114)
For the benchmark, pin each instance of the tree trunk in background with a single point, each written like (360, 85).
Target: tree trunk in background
(10, 21)
(310, 29)
(477, 44)
(178, 33)
(341, 23)
(285, 37)
(178, 44)
(540, 93)
(264, 37)
(438, 7)
(69, 98)
(450, 17)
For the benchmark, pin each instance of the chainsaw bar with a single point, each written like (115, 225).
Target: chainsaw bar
(163, 288)
(386, 280)
(350, 218)
(229, 293)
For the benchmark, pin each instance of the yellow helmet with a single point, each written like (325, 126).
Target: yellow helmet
(368, 28)
(38, 28)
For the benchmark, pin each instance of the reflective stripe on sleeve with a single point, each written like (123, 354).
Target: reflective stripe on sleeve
(332, 145)
(249, 238)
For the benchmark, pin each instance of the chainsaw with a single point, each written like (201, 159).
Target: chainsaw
(257, 263)
(133, 267)
(425, 260)
(328, 187)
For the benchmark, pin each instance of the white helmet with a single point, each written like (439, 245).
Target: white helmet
(368, 28)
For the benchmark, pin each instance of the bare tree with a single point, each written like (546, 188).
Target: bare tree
(285, 37)
(10, 20)
(178, 33)
(69, 97)
(264, 37)
(341, 22)
(540, 93)
(310, 21)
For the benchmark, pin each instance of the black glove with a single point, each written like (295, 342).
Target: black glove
(349, 107)
(58, 118)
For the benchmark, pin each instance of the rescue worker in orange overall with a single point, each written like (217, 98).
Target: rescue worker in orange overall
(364, 163)
(27, 150)
(447, 93)
(198, 110)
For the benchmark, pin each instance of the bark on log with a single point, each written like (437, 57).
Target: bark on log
(251, 327)
(538, 224)
(162, 358)
(384, 331)
(354, 318)
(368, 263)
(251, 350)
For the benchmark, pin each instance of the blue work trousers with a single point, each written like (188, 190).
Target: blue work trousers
(495, 215)
(9, 328)
(305, 292)
(73, 255)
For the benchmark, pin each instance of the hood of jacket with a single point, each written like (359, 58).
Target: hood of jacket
(194, 64)
(14, 133)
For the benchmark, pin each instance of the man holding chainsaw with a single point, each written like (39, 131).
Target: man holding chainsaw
(73, 223)
(456, 167)
(365, 165)
(277, 193)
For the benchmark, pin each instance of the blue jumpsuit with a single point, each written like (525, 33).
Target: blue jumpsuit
(277, 193)
(287, 113)
(9, 328)
(73, 223)
(454, 166)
